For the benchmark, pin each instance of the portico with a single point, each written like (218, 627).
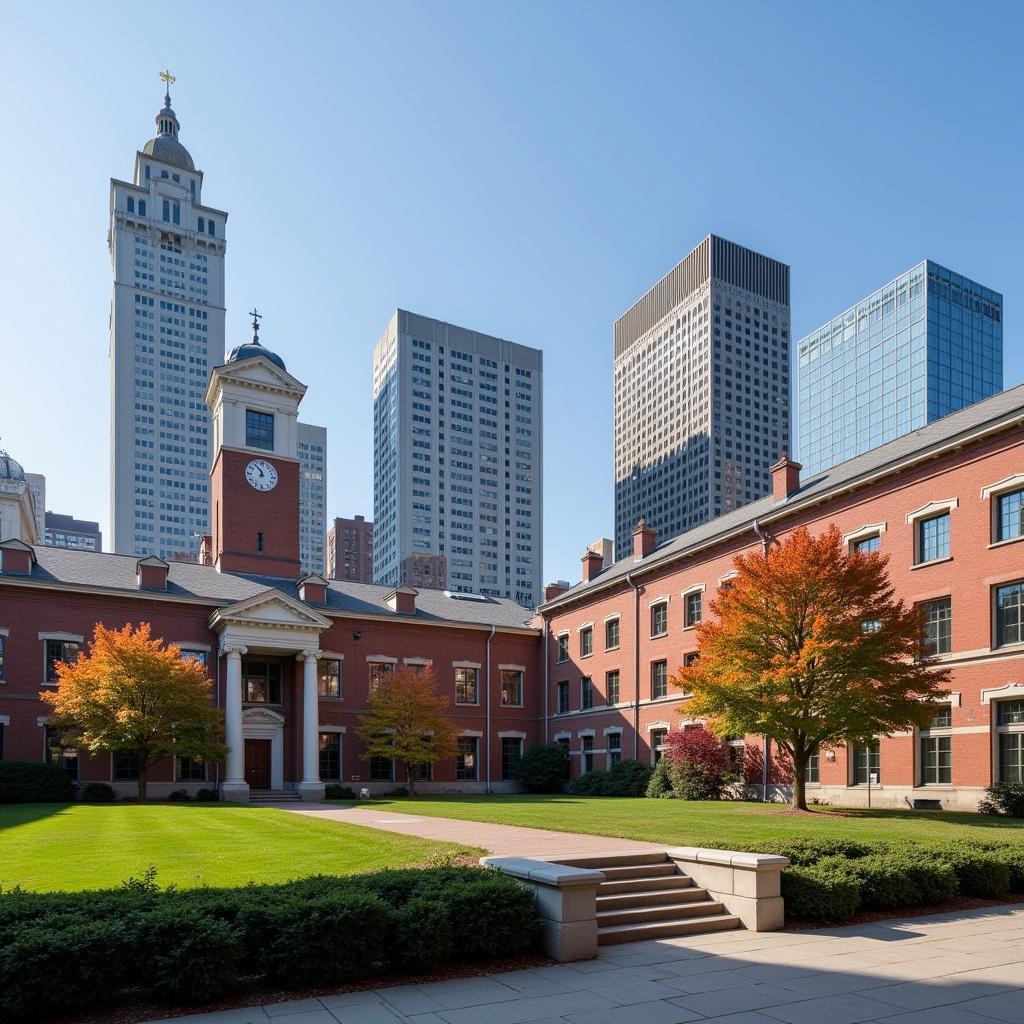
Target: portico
(258, 637)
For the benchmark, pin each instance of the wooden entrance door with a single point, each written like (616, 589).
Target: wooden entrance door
(257, 764)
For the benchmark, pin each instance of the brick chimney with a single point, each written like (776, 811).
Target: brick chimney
(785, 478)
(313, 589)
(643, 540)
(593, 563)
(553, 590)
(16, 558)
(151, 573)
(402, 600)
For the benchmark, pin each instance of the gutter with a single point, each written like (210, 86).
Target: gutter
(636, 666)
(546, 679)
(487, 706)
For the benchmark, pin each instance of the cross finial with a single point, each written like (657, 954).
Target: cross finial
(256, 318)
(167, 78)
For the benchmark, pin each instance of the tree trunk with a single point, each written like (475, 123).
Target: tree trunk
(409, 779)
(142, 782)
(799, 785)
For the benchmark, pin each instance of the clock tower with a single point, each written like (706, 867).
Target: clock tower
(254, 479)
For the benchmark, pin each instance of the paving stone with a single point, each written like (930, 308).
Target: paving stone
(520, 1011)
(320, 1016)
(838, 1009)
(292, 1006)
(409, 999)
(1006, 1006)
(365, 1013)
(732, 1000)
(658, 1012)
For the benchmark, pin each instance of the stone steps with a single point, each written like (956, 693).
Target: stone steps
(274, 796)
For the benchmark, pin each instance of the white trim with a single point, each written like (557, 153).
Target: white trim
(612, 729)
(1013, 689)
(563, 632)
(584, 625)
(5, 632)
(41, 719)
(511, 734)
(663, 599)
(5, 719)
(864, 533)
(614, 615)
(466, 664)
(381, 659)
(933, 508)
(512, 668)
(421, 662)
(72, 638)
(954, 700)
(331, 728)
(585, 732)
(658, 725)
(1010, 483)
(260, 723)
(731, 575)
(564, 735)
(694, 588)
(471, 732)
(186, 646)
(331, 656)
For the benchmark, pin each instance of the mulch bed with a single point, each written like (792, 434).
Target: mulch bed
(134, 1010)
(870, 916)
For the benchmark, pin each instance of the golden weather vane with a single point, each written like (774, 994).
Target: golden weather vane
(167, 77)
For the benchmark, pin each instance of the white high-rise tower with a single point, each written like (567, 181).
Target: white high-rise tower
(166, 333)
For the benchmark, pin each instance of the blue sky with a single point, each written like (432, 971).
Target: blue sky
(525, 169)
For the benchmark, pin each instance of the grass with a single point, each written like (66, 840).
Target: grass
(707, 823)
(85, 846)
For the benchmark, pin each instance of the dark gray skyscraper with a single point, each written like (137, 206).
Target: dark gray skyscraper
(701, 390)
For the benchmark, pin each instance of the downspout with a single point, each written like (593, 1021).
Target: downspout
(487, 704)
(546, 673)
(217, 705)
(636, 666)
(766, 743)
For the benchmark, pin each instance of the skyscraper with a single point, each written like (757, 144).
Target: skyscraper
(350, 550)
(166, 333)
(924, 345)
(457, 457)
(701, 379)
(312, 497)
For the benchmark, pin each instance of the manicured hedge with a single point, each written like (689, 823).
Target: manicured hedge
(823, 892)
(191, 946)
(34, 782)
(625, 778)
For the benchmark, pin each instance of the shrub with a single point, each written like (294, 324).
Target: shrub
(187, 958)
(59, 965)
(803, 852)
(422, 935)
(890, 880)
(589, 784)
(826, 892)
(336, 791)
(980, 872)
(179, 795)
(626, 778)
(1004, 798)
(502, 914)
(207, 795)
(98, 793)
(701, 768)
(660, 784)
(543, 768)
(31, 782)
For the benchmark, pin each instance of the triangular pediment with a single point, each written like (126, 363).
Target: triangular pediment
(256, 372)
(271, 608)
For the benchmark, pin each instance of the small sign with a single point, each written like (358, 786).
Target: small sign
(873, 778)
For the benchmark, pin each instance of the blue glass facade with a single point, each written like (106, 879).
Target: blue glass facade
(923, 346)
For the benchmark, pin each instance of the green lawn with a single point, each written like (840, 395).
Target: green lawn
(713, 824)
(83, 846)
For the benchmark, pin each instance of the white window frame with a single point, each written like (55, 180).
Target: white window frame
(990, 493)
(932, 510)
(68, 638)
(865, 532)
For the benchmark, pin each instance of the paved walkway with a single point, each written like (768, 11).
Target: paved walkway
(965, 968)
(508, 840)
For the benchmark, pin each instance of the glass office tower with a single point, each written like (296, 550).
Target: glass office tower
(923, 346)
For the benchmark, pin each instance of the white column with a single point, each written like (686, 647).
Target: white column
(310, 788)
(234, 786)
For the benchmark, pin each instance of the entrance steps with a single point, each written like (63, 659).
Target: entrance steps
(645, 896)
(274, 796)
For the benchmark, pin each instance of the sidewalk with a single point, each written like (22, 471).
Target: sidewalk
(962, 968)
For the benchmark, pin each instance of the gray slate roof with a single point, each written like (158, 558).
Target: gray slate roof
(204, 582)
(1007, 405)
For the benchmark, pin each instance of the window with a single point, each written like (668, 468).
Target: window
(866, 761)
(379, 671)
(58, 651)
(563, 743)
(938, 627)
(328, 677)
(735, 748)
(611, 634)
(611, 687)
(659, 679)
(614, 748)
(659, 619)
(586, 694)
(1010, 614)
(262, 682)
(330, 756)
(131, 204)
(933, 538)
(936, 760)
(814, 767)
(511, 755)
(693, 610)
(465, 685)
(125, 766)
(587, 754)
(142, 205)
(382, 769)
(259, 430)
(512, 687)
(191, 770)
(658, 738)
(563, 647)
(422, 772)
(202, 225)
(61, 753)
(1010, 515)
(199, 656)
(586, 641)
(466, 760)
(867, 545)
(563, 698)
(1009, 717)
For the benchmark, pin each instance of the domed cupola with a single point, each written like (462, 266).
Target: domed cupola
(10, 469)
(166, 146)
(249, 349)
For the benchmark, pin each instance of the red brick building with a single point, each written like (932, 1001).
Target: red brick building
(946, 503)
(349, 550)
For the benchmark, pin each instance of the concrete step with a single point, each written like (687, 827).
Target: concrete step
(615, 873)
(666, 929)
(686, 893)
(274, 797)
(642, 884)
(612, 860)
(663, 912)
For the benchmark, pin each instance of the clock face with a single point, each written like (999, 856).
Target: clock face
(261, 475)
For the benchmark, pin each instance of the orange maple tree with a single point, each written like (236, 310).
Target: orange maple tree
(130, 692)
(810, 647)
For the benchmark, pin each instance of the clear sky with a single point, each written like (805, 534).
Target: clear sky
(525, 169)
